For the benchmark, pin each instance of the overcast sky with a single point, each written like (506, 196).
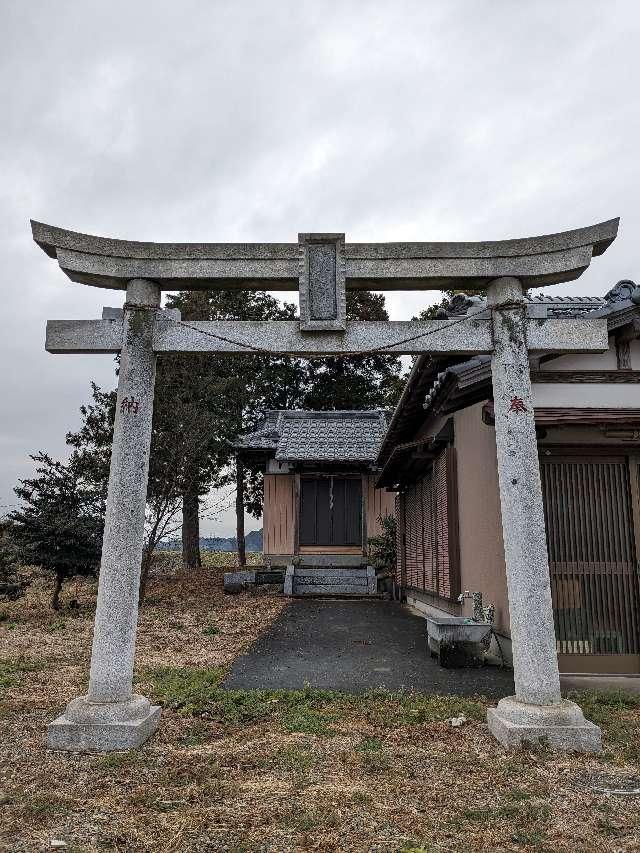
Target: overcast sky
(251, 121)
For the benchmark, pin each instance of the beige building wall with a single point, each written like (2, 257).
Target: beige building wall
(279, 514)
(595, 360)
(377, 502)
(590, 395)
(482, 567)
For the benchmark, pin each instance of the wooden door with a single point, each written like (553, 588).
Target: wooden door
(331, 511)
(593, 562)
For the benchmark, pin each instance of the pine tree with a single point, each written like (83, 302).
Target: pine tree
(201, 404)
(61, 521)
(231, 391)
(10, 554)
(358, 382)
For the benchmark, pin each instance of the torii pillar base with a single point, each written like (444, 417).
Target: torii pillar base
(561, 726)
(103, 726)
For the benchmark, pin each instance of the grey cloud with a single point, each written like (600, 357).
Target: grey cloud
(253, 121)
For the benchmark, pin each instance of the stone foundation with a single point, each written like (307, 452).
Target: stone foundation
(561, 725)
(102, 727)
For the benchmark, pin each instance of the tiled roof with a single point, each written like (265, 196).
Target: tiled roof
(555, 306)
(297, 436)
(429, 376)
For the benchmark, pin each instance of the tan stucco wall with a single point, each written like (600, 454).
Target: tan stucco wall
(378, 503)
(589, 395)
(480, 522)
(595, 360)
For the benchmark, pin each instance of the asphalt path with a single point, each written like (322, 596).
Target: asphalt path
(355, 646)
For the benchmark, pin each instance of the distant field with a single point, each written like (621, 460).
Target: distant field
(211, 559)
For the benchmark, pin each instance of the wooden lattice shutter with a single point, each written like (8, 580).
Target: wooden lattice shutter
(430, 524)
(592, 554)
(413, 522)
(400, 534)
(429, 531)
(443, 476)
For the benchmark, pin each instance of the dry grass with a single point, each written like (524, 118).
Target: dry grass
(280, 771)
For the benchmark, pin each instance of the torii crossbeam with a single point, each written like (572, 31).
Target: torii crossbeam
(323, 267)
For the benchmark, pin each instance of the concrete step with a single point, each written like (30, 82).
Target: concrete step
(340, 579)
(323, 571)
(330, 589)
(335, 581)
(333, 589)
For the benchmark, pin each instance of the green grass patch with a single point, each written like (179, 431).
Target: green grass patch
(528, 839)
(185, 689)
(196, 692)
(413, 709)
(45, 805)
(307, 721)
(115, 760)
(13, 669)
(210, 631)
(297, 759)
(369, 744)
(618, 715)
(361, 798)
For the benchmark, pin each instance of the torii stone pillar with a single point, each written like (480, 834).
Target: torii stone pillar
(537, 710)
(110, 716)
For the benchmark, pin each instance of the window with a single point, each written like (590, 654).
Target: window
(331, 511)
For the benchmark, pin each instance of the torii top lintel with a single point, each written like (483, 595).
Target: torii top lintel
(536, 261)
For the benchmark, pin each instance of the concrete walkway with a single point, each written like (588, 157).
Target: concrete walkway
(354, 646)
(630, 684)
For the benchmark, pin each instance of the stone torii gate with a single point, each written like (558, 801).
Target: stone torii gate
(323, 266)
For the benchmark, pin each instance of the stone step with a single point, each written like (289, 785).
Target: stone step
(336, 581)
(337, 571)
(337, 589)
(329, 579)
(330, 589)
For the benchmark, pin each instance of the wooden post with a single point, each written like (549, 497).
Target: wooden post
(242, 557)
(191, 523)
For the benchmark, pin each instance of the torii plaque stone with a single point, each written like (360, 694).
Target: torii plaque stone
(323, 266)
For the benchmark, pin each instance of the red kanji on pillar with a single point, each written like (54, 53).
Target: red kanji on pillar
(517, 405)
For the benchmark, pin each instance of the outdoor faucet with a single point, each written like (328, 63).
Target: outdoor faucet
(479, 614)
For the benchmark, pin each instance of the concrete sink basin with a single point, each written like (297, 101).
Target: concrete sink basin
(456, 640)
(456, 629)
